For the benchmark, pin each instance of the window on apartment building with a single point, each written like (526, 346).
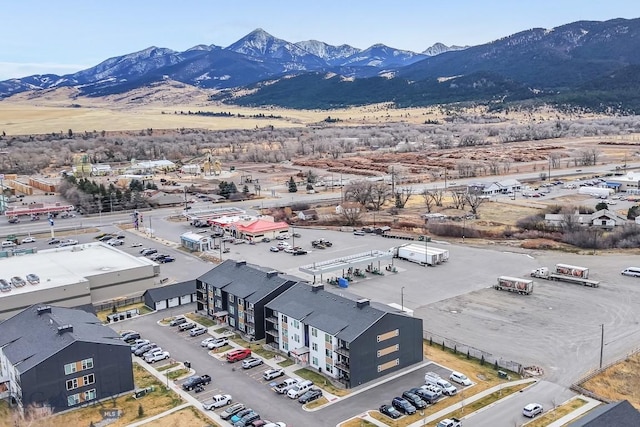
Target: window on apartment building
(218, 303)
(89, 379)
(87, 364)
(328, 352)
(285, 332)
(72, 383)
(329, 368)
(250, 306)
(314, 361)
(218, 292)
(296, 324)
(296, 338)
(74, 399)
(285, 346)
(231, 298)
(232, 310)
(90, 394)
(240, 302)
(314, 346)
(232, 321)
(285, 319)
(70, 368)
(314, 332)
(82, 365)
(327, 338)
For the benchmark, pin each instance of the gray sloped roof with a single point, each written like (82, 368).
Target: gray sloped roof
(335, 314)
(29, 338)
(619, 414)
(172, 291)
(248, 281)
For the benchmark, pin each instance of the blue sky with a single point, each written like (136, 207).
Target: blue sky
(64, 36)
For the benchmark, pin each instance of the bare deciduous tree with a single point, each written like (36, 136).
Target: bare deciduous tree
(402, 197)
(475, 200)
(459, 199)
(427, 197)
(379, 195)
(359, 192)
(352, 213)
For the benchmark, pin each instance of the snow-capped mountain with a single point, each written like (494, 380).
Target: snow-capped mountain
(333, 55)
(382, 56)
(439, 48)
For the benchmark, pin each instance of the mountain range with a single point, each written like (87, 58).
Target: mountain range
(586, 63)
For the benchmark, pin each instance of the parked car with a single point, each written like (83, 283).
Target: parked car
(138, 344)
(157, 256)
(274, 249)
(270, 374)
(4, 286)
(53, 241)
(115, 242)
(68, 242)
(156, 357)
(136, 245)
(403, 406)
(195, 381)
(33, 278)
(217, 343)
(217, 401)
(428, 396)
(18, 282)
(265, 240)
(166, 259)
(28, 239)
(532, 409)
(310, 395)
(390, 411)
(186, 326)
(282, 237)
(237, 355)
(178, 321)
(148, 251)
(460, 378)
(238, 415)
(247, 420)
(142, 350)
(289, 250)
(300, 252)
(198, 331)
(359, 233)
(414, 399)
(131, 336)
(232, 410)
(149, 353)
(251, 362)
(206, 341)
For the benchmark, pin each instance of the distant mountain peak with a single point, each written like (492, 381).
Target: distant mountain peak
(439, 48)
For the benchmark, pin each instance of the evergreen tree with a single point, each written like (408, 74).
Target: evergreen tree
(293, 188)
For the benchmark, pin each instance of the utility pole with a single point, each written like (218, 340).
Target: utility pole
(549, 174)
(402, 298)
(601, 343)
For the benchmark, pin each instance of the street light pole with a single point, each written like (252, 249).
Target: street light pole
(402, 298)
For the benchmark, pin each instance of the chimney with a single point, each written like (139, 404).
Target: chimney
(240, 263)
(317, 287)
(44, 309)
(272, 273)
(65, 328)
(362, 302)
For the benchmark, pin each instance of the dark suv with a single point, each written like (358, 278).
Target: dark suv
(414, 399)
(403, 406)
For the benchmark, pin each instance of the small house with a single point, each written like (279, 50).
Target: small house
(308, 214)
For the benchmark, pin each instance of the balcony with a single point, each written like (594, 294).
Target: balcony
(343, 351)
(273, 320)
(342, 366)
(272, 332)
(251, 320)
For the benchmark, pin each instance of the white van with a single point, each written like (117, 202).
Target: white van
(631, 271)
(435, 379)
(8, 244)
(298, 390)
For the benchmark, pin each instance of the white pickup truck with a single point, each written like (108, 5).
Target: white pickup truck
(450, 422)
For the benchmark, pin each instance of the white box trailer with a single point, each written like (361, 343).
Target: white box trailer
(596, 191)
(417, 255)
(514, 284)
(442, 255)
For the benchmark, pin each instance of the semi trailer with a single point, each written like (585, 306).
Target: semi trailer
(566, 273)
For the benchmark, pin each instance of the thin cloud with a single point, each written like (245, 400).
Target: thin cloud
(13, 70)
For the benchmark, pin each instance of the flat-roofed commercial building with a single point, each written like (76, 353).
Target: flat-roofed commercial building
(73, 276)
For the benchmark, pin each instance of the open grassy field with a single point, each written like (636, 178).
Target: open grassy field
(618, 382)
(187, 417)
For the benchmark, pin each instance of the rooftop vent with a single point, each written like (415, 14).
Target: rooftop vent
(272, 273)
(65, 328)
(240, 263)
(44, 309)
(317, 287)
(362, 302)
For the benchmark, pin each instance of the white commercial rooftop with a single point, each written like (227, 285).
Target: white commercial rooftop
(67, 265)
